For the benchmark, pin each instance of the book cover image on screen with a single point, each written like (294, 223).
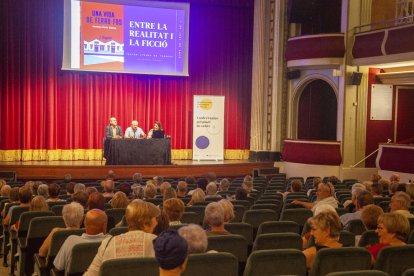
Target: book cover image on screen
(144, 38)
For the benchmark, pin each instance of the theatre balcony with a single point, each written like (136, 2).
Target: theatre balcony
(320, 50)
(384, 42)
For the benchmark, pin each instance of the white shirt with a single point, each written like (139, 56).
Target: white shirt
(139, 133)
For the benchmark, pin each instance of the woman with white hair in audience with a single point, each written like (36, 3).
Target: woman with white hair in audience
(137, 192)
(392, 230)
(79, 187)
(43, 190)
(198, 195)
(211, 190)
(72, 216)
(228, 210)
(325, 228)
(196, 238)
(214, 217)
(141, 218)
(324, 195)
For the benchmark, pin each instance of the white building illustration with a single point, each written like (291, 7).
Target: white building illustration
(103, 48)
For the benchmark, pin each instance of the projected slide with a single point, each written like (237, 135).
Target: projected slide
(130, 39)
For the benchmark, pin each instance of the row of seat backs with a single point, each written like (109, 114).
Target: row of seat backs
(328, 261)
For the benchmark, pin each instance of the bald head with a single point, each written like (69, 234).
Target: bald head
(95, 222)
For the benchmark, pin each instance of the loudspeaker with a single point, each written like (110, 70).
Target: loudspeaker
(300, 11)
(356, 78)
(291, 75)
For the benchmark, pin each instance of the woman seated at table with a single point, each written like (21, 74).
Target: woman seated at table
(157, 127)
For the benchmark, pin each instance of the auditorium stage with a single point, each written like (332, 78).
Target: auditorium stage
(84, 170)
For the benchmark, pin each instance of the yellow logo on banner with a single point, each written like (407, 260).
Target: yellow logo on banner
(206, 104)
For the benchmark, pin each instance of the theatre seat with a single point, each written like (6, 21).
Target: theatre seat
(278, 241)
(278, 227)
(394, 260)
(210, 264)
(276, 262)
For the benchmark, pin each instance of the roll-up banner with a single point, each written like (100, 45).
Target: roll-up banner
(208, 128)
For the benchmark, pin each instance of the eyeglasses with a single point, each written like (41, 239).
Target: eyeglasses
(380, 227)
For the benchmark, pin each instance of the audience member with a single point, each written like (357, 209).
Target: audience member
(126, 189)
(375, 178)
(96, 201)
(43, 190)
(197, 196)
(190, 180)
(137, 242)
(38, 203)
(376, 189)
(25, 196)
(171, 253)
(157, 180)
(410, 190)
(240, 194)
(79, 187)
(211, 190)
(137, 178)
(95, 229)
(369, 217)
(324, 195)
(363, 198)
(137, 191)
(150, 191)
(214, 217)
(385, 183)
(164, 186)
(395, 178)
(228, 210)
(82, 198)
(162, 223)
(333, 180)
(356, 188)
(2, 183)
(325, 228)
(400, 203)
(5, 191)
(315, 183)
(392, 230)
(174, 209)
(54, 190)
(196, 238)
(72, 216)
(70, 188)
(13, 197)
(224, 185)
(119, 200)
(295, 187)
(91, 190)
(108, 187)
(181, 189)
(169, 193)
(211, 177)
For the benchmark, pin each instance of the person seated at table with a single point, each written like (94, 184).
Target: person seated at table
(113, 130)
(134, 131)
(157, 127)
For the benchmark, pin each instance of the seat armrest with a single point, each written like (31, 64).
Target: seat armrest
(22, 243)
(40, 261)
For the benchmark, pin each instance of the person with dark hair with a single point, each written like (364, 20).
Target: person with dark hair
(174, 208)
(171, 253)
(125, 188)
(334, 180)
(81, 198)
(70, 188)
(190, 180)
(157, 180)
(211, 177)
(96, 201)
(157, 127)
(363, 198)
(67, 178)
(25, 196)
(240, 194)
(202, 183)
(376, 189)
(91, 190)
(54, 190)
(162, 223)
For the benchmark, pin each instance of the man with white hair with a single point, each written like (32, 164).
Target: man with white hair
(113, 130)
(363, 198)
(134, 131)
(400, 203)
(214, 217)
(324, 195)
(211, 190)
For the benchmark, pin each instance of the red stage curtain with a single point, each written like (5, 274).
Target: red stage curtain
(43, 107)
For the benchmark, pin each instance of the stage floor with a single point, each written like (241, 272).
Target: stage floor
(84, 170)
